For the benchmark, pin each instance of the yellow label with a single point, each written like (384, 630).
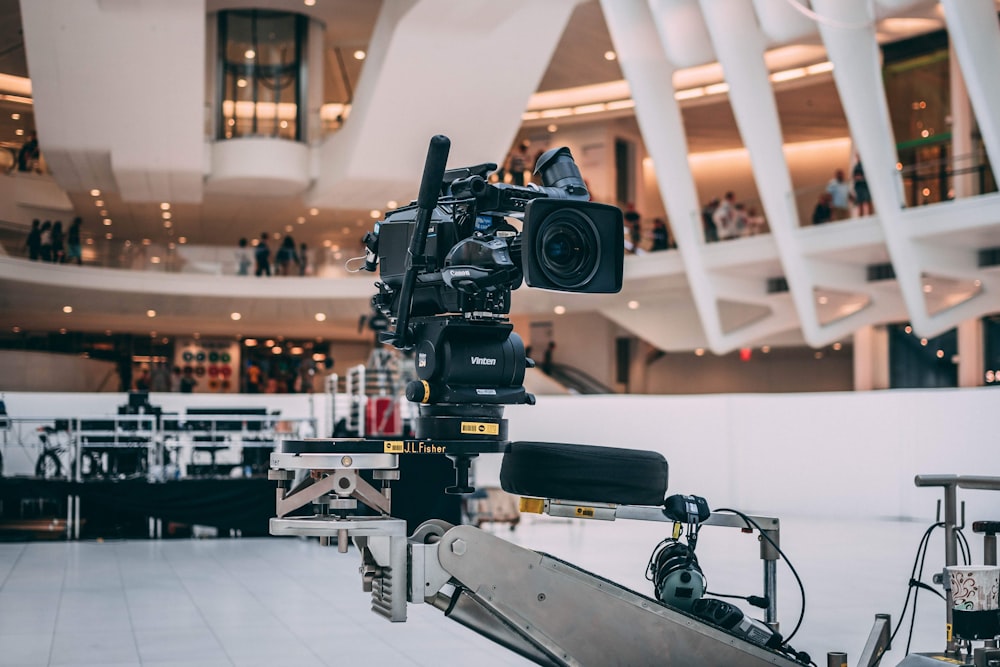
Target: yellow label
(480, 428)
(677, 530)
(532, 505)
(392, 446)
(947, 633)
(585, 512)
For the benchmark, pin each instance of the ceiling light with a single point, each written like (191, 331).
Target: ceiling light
(171, 246)
(167, 215)
(154, 260)
(95, 193)
(269, 342)
(235, 316)
(338, 255)
(309, 3)
(288, 228)
(837, 346)
(717, 88)
(335, 248)
(104, 213)
(327, 243)
(276, 235)
(319, 356)
(250, 342)
(15, 116)
(940, 354)
(908, 329)
(923, 341)
(241, 83)
(182, 240)
(823, 300)
(283, 124)
(320, 317)
(152, 334)
(107, 222)
(700, 352)
(99, 204)
(610, 55)
(766, 349)
(928, 289)
(552, 127)
(16, 329)
(167, 224)
(275, 350)
(67, 309)
(314, 211)
(818, 355)
(150, 313)
(633, 305)
(165, 206)
(392, 203)
(359, 55)
(249, 54)
(296, 350)
(301, 220)
(63, 330)
(108, 236)
(374, 213)
(559, 310)
(19, 132)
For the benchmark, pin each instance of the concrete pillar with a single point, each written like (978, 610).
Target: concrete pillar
(871, 358)
(962, 124)
(970, 353)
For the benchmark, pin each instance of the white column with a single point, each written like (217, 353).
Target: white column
(970, 354)
(871, 358)
(962, 123)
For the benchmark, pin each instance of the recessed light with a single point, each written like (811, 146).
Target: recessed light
(320, 317)
(923, 341)
(67, 309)
(182, 240)
(108, 236)
(241, 83)
(559, 310)
(633, 305)
(700, 352)
(610, 55)
(359, 55)
(276, 235)
(296, 350)
(150, 313)
(99, 204)
(766, 349)
(63, 330)
(250, 342)
(107, 222)
(275, 350)
(171, 246)
(146, 242)
(940, 354)
(301, 220)
(309, 3)
(837, 346)
(928, 289)
(16, 329)
(167, 224)
(249, 54)
(392, 203)
(327, 243)
(269, 342)
(235, 316)
(823, 300)
(319, 356)
(154, 260)
(15, 116)
(818, 354)
(374, 213)
(19, 132)
(288, 228)
(167, 215)
(283, 124)
(104, 213)
(314, 211)
(165, 206)
(95, 193)
(552, 127)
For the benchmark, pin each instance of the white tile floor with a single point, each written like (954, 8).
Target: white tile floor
(291, 602)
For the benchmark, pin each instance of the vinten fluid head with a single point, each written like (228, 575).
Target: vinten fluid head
(448, 263)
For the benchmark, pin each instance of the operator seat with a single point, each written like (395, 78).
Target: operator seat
(584, 473)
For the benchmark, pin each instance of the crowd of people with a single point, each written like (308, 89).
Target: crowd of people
(289, 259)
(660, 237)
(48, 242)
(727, 218)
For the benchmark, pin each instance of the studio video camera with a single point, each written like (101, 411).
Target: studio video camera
(448, 263)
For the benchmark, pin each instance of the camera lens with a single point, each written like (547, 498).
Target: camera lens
(569, 248)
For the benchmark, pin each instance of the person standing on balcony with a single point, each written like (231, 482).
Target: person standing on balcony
(862, 196)
(45, 241)
(74, 252)
(285, 256)
(33, 244)
(840, 196)
(262, 255)
(303, 259)
(243, 260)
(58, 241)
(27, 157)
(725, 217)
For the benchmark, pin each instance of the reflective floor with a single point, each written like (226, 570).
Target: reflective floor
(291, 602)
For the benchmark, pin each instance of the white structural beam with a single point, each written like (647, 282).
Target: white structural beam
(465, 70)
(119, 92)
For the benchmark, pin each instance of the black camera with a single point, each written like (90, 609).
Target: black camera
(448, 263)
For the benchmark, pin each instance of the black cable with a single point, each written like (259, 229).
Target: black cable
(964, 545)
(798, 580)
(755, 600)
(921, 546)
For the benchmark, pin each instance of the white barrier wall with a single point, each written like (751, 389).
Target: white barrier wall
(848, 455)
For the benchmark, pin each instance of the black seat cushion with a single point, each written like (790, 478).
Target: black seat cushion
(585, 473)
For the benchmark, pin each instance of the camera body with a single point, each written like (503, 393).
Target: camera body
(448, 263)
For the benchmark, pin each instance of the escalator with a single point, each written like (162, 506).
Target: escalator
(578, 382)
